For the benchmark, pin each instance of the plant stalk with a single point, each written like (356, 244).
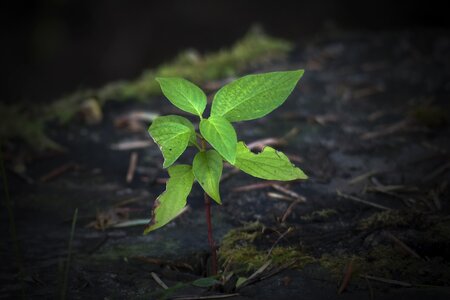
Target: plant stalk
(69, 256)
(212, 245)
(12, 226)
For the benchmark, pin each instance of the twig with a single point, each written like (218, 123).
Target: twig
(58, 171)
(391, 129)
(406, 201)
(353, 198)
(161, 180)
(289, 192)
(427, 202)
(131, 145)
(385, 280)
(69, 256)
(278, 270)
(325, 119)
(260, 144)
(436, 172)
(289, 210)
(402, 245)
(159, 281)
(370, 288)
(362, 177)
(278, 240)
(268, 274)
(291, 133)
(256, 274)
(12, 226)
(98, 245)
(260, 270)
(391, 188)
(131, 223)
(435, 197)
(132, 166)
(295, 158)
(280, 196)
(22, 175)
(347, 277)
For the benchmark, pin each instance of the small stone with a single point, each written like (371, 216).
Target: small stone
(91, 112)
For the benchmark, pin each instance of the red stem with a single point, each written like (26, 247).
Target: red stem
(210, 235)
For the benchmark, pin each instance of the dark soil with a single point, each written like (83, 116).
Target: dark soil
(373, 104)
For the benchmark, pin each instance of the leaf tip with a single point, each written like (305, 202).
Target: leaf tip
(147, 230)
(151, 225)
(217, 199)
(302, 175)
(299, 73)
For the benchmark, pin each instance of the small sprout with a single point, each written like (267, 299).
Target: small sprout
(248, 98)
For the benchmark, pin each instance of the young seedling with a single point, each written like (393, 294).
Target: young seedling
(248, 98)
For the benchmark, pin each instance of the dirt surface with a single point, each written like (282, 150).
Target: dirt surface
(368, 124)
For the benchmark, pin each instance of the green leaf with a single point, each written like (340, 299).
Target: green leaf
(205, 282)
(207, 168)
(171, 203)
(254, 96)
(270, 164)
(183, 94)
(221, 135)
(172, 134)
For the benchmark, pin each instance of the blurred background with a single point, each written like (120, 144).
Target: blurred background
(368, 123)
(53, 47)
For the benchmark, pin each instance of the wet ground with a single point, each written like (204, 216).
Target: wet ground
(368, 124)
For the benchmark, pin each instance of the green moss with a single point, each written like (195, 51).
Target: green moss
(319, 215)
(390, 263)
(380, 261)
(24, 124)
(389, 218)
(237, 247)
(286, 255)
(336, 264)
(238, 250)
(437, 232)
(254, 48)
(430, 116)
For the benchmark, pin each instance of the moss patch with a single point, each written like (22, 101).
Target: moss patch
(390, 263)
(239, 251)
(320, 215)
(24, 124)
(254, 48)
(389, 218)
